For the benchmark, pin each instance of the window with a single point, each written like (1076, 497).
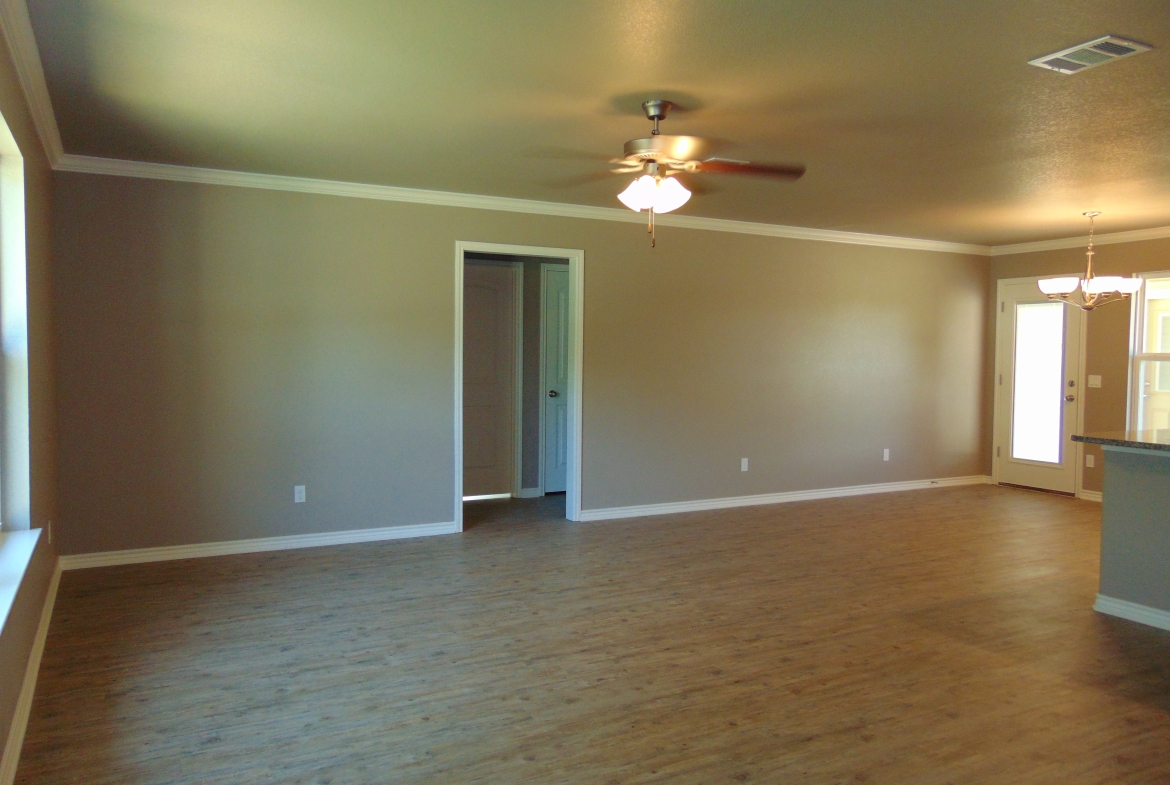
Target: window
(1149, 408)
(14, 420)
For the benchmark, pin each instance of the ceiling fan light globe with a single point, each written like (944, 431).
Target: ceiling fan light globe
(671, 195)
(641, 194)
(1066, 285)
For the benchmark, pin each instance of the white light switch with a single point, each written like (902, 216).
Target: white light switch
(1090, 461)
(1094, 381)
(743, 463)
(298, 494)
(886, 454)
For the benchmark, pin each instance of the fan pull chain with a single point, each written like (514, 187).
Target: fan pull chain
(651, 227)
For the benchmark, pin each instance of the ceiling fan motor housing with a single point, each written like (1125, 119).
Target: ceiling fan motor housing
(665, 149)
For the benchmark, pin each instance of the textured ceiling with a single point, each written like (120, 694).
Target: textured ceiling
(920, 119)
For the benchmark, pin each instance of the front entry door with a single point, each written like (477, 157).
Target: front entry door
(1037, 388)
(554, 309)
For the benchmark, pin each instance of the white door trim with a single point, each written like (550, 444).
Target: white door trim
(998, 404)
(576, 261)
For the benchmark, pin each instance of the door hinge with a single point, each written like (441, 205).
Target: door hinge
(1001, 378)
(1001, 307)
(996, 452)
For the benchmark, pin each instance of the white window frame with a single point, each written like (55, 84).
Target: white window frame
(1137, 336)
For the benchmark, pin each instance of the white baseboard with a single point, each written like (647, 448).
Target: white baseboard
(698, 505)
(483, 497)
(226, 548)
(529, 493)
(1123, 609)
(28, 687)
(1089, 496)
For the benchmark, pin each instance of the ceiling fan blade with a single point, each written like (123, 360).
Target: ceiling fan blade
(780, 171)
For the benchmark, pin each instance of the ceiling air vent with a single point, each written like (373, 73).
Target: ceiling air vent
(1090, 54)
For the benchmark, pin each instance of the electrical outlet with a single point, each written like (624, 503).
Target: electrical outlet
(1094, 380)
(743, 464)
(1090, 461)
(886, 454)
(298, 494)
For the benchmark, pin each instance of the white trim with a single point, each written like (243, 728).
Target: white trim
(1002, 393)
(1137, 235)
(530, 493)
(190, 174)
(26, 58)
(1131, 611)
(484, 497)
(457, 501)
(1089, 496)
(576, 384)
(28, 687)
(668, 508)
(229, 547)
(576, 261)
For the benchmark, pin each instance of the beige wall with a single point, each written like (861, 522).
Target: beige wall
(218, 345)
(1107, 353)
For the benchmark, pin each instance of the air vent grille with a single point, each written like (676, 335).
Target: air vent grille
(1090, 54)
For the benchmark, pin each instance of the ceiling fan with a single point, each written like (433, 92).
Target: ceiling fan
(659, 157)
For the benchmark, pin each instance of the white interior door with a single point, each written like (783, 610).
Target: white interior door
(489, 391)
(1038, 388)
(555, 323)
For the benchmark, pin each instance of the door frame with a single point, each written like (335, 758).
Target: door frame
(1000, 405)
(517, 269)
(576, 261)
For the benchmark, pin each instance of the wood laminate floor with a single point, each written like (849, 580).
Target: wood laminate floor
(940, 636)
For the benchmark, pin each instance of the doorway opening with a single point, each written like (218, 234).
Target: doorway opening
(518, 354)
(1039, 400)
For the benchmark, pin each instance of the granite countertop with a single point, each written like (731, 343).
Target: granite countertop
(1140, 440)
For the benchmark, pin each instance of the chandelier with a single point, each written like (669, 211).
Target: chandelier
(655, 193)
(1096, 290)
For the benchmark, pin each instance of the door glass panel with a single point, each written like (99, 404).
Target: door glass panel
(1038, 396)
(1154, 401)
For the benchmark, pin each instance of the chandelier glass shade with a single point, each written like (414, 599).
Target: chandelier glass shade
(661, 195)
(1096, 290)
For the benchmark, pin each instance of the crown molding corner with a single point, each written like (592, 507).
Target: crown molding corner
(190, 174)
(26, 58)
(1137, 235)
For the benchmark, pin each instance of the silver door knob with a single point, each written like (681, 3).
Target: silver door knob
(1069, 398)
(553, 393)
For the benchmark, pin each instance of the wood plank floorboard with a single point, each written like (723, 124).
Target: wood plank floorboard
(938, 636)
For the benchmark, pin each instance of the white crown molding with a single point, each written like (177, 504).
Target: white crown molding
(229, 547)
(1137, 235)
(26, 58)
(1131, 611)
(191, 174)
(668, 508)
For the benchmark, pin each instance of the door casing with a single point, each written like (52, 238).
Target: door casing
(1001, 399)
(576, 261)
